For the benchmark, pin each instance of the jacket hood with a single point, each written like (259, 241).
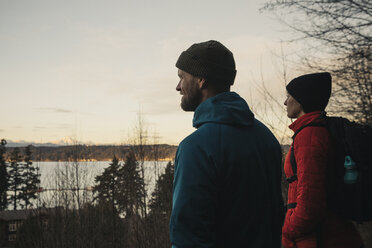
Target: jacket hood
(225, 108)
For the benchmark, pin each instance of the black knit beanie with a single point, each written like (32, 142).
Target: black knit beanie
(312, 91)
(210, 60)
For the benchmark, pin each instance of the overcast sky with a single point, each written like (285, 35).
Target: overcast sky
(85, 69)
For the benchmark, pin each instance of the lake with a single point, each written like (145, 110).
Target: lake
(59, 180)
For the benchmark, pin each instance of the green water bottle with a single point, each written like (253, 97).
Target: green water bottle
(351, 173)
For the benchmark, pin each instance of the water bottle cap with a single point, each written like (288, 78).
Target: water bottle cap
(349, 162)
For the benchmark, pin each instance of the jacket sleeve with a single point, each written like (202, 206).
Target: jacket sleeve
(193, 218)
(311, 153)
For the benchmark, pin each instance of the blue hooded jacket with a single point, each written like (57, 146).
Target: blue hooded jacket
(227, 190)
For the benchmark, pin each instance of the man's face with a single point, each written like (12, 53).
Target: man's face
(189, 88)
(294, 108)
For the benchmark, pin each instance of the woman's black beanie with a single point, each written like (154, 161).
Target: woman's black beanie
(210, 60)
(312, 91)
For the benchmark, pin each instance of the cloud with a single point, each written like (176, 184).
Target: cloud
(56, 110)
(39, 128)
(63, 126)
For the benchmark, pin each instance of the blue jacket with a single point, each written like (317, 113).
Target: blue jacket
(227, 190)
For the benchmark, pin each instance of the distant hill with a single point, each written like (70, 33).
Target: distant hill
(22, 143)
(100, 152)
(95, 153)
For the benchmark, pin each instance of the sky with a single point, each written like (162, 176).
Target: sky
(86, 69)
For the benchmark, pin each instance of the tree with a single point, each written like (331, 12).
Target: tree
(3, 177)
(61, 228)
(15, 178)
(138, 148)
(161, 208)
(131, 200)
(107, 184)
(161, 201)
(341, 42)
(31, 180)
(122, 188)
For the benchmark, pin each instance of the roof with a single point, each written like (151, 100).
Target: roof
(9, 215)
(15, 214)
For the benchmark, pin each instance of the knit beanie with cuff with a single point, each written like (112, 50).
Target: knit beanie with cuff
(210, 60)
(312, 91)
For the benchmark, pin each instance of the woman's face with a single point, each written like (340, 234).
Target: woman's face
(294, 108)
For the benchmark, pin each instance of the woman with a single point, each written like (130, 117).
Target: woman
(309, 222)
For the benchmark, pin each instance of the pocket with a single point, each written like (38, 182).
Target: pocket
(286, 228)
(308, 241)
(288, 214)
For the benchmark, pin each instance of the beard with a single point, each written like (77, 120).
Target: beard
(191, 99)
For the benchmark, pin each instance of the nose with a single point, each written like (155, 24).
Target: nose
(178, 88)
(285, 102)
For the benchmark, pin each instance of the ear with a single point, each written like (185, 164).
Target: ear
(201, 83)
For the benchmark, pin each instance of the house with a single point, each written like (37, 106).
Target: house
(11, 222)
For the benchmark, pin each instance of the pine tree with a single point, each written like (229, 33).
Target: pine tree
(160, 209)
(107, 184)
(123, 188)
(132, 187)
(106, 192)
(30, 180)
(3, 177)
(161, 201)
(15, 178)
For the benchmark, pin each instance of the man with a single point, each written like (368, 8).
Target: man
(226, 189)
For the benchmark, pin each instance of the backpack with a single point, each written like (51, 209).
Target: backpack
(352, 171)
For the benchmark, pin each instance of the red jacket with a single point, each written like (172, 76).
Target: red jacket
(312, 148)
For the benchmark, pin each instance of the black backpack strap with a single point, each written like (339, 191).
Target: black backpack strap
(292, 156)
(290, 205)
